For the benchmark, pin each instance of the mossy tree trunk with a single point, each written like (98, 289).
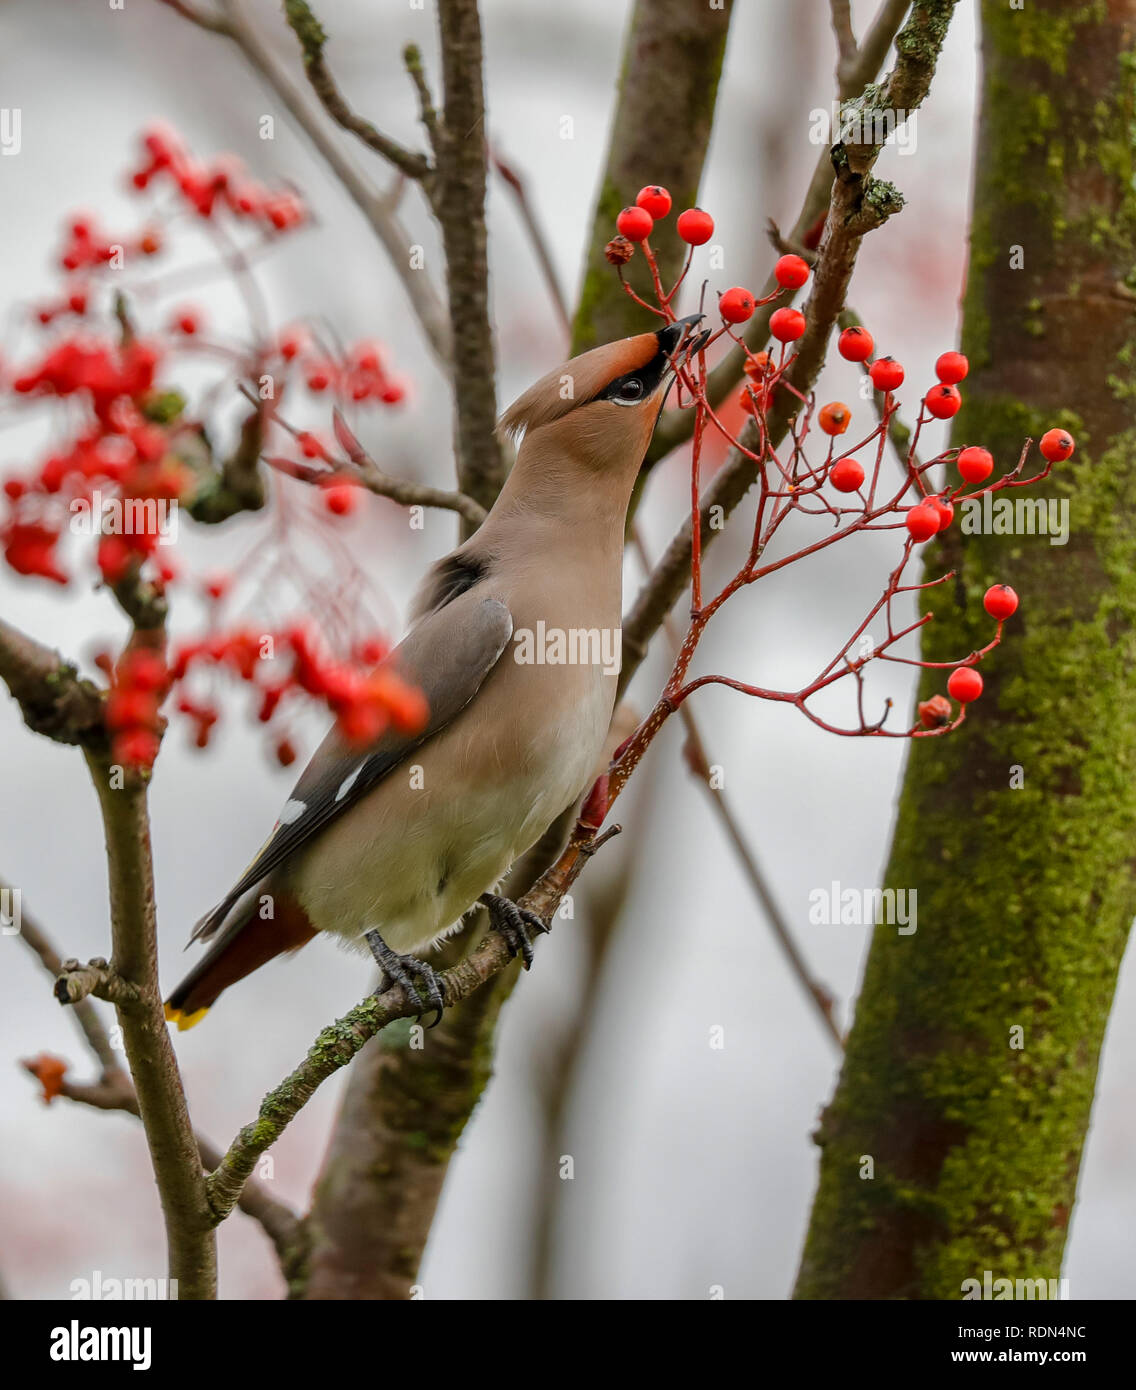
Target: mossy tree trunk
(1025, 893)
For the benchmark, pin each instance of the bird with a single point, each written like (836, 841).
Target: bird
(388, 846)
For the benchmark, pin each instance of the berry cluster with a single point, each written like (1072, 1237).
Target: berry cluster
(362, 376)
(209, 187)
(290, 662)
(131, 451)
(794, 484)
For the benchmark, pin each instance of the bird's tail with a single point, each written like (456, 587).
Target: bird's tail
(247, 941)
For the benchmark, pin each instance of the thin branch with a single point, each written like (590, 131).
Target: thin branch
(153, 1066)
(457, 197)
(698, 761)
(412, 59)
(842, 29)
(37, 941)
(375, 207)
(115, 1091)
(536, 237)
(312, 37)
(339, 1043)
(674, 428)
(858, 204)
(53, 698)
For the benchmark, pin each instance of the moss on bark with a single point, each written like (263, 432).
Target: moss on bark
(1025, 893)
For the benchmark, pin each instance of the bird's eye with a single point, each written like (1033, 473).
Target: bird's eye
(631, 390)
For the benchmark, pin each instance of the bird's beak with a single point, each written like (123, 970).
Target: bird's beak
(670, 337)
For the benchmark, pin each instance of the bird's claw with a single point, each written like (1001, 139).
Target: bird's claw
(402, 970)
(511, 921)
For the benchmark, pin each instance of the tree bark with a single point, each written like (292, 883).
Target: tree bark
(1025, 894)
(659, 134)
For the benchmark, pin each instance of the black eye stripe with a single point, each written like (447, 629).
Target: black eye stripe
(646, 378)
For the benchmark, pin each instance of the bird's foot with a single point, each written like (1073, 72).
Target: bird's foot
(401, 970)
(511, 921)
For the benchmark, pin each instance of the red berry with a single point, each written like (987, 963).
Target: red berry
(791, 272)
(942, 401)
(736, 305)
(976, 464)
(216, 586)
(654, 200)
(340, 498)
(635, 224)
(1000, 601)
(935, 712)
(886, 374)
(951, 368)
(187, 322)
(846, 475)
(786, 325)
(755, 366)
(944, 511)
(965, 684)
(695, 226)
(834, 418)
(1056, 445)
(855, 344)
(922, 521)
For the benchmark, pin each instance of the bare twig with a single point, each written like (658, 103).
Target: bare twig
(698, 761)
(377, 208)
(53, 698)
(536, 237)
(312, 37)
(169, 1136)
(457, 196)
(842, 29)
(114, 1091)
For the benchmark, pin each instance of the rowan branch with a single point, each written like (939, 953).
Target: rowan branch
(114, 1091)
(337, 1044)
(153, 1066)
(858, 204)
(457, 197)
(377, 208)
(537, 239)
(675, 426)
(698, 761)
(53, 698)
(312, 38)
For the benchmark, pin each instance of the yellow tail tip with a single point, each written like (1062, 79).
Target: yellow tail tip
(184, 1020)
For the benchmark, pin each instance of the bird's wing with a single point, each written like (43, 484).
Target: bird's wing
(446, 656)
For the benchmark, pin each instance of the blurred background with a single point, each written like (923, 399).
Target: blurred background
(693, 1165)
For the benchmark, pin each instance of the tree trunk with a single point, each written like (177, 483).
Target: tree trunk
(1025, 893)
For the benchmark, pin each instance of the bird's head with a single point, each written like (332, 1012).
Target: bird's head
(601, 407)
